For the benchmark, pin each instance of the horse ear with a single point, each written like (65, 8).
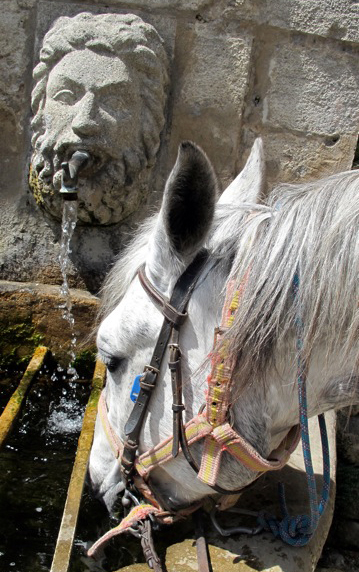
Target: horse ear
(250, 183)
(189, 199)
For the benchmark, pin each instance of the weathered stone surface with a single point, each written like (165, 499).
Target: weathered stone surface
(211, 84)
(15, 64)
(292, 157)
(335, 19)
(100, 88)
(174, 5)
(323, 97)
(40, 307)
(30, 249)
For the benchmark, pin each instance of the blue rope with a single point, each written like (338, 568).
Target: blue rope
(298, 530)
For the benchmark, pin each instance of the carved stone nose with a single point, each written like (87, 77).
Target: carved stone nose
(85, 121)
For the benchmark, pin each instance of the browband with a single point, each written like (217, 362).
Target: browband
(174, 316)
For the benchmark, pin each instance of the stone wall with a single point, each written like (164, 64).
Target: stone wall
(287, 70)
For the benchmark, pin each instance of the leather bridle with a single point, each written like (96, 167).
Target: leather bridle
(174, 312)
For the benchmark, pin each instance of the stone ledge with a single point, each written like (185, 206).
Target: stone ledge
(38, 306)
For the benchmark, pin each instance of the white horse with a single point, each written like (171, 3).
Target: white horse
(309, 230)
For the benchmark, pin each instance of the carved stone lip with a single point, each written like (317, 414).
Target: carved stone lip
(98, 157)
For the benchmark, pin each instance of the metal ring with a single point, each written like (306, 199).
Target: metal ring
(235, 529)
(134, 499)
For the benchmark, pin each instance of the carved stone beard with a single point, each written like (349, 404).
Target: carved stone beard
(106, 191)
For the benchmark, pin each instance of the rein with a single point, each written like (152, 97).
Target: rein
(211, 424)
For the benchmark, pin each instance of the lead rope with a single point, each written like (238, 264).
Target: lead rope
(298, 530)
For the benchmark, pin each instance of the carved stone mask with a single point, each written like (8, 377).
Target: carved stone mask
(100, 87)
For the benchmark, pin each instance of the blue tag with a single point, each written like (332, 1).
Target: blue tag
(136, 387)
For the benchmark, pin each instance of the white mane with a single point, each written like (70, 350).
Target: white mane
(313, 233)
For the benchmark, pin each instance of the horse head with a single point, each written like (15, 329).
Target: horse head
(306, 233)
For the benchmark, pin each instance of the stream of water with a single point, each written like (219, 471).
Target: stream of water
(69, 219)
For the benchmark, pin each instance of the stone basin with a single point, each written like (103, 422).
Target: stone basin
(31, 311)
(30, 314)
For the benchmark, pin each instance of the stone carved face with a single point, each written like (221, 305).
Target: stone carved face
(103, 97)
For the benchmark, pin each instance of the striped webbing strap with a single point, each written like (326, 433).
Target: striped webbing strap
(225, 439)
(219, 394)
(138, 514)
(114, 441)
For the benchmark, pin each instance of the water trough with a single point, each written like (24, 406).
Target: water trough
(238, 553)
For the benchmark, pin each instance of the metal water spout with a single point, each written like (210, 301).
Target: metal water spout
(70, 174)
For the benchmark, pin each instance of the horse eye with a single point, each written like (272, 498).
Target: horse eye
(112, 362)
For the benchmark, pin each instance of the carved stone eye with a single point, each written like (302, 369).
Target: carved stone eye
(112, 102)
(65, 96)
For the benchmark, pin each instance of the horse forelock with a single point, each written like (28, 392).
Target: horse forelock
(313, 234)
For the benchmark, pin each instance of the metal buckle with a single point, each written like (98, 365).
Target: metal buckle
(129, 497)
(235, 529)
(151, 368)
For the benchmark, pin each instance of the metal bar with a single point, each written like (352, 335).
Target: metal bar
(67, 530)
(13, 407)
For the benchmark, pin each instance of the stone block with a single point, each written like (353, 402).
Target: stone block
(337, 19)
(173, 5)
(15, 69)
(334, 19)
(211, 81)
(313, 87)
(292, 158)
(348, 437)
(38, 309)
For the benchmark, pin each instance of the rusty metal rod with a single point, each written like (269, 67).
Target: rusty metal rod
(12, 409)
(67, 530)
